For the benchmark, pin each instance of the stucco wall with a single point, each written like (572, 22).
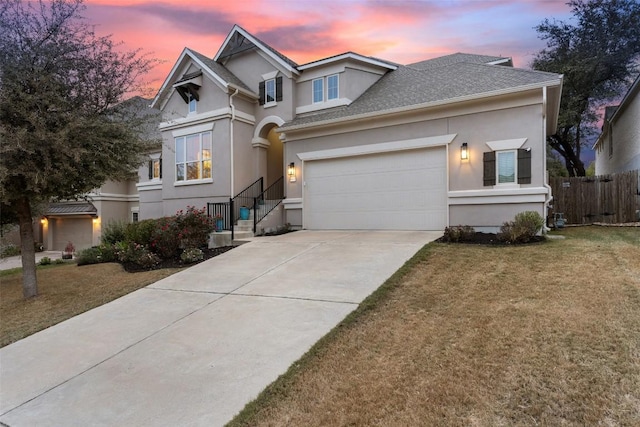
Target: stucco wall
(490, 216)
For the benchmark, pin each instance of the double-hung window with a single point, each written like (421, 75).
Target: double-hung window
(270, 91)
(332, 87)
(193, 157)
(318, 90)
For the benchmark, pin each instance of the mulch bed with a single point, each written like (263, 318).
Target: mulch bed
(176, 262)
(479, 238)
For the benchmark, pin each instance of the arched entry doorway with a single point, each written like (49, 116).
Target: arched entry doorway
(270, 156)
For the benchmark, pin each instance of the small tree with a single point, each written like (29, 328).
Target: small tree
(597, 56)
(63, 127)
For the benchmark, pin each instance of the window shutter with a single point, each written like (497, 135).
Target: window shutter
(150, 170)
(524, 166)
(279, 89)
(261, 92)
(489, 159)
(160, 161)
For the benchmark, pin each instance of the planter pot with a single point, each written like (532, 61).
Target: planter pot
(219, 225)
(67, 255)
(244, 213)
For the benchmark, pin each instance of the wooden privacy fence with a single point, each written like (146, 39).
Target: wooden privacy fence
(606, 198)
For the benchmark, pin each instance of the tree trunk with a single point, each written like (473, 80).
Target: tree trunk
(27, 245)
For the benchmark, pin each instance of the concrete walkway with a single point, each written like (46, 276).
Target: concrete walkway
(195, 347)
(16, 261)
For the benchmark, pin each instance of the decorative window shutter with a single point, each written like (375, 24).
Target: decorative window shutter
(150, 170)
(261, 92)
(524, 166)
(279, 89)
(489, 159)
(160, 161)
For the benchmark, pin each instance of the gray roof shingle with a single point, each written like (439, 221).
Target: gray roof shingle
(71, 208)
(455, 58)
(408, 86)
(220, 70)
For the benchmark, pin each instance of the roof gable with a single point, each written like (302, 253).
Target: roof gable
(239, 40)
(215, 71)
(349, 55)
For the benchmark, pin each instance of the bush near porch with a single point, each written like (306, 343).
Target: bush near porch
(150, 243)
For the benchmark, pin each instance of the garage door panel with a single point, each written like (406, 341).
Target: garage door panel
(403, 190)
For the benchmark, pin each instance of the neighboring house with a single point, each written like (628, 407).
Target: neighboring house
(363, 143)
(618, 147)
(81, 222)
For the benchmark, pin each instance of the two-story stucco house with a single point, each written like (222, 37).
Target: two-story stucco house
(362, 143)
(618, 147)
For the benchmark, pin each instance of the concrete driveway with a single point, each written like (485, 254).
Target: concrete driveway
(195, 347)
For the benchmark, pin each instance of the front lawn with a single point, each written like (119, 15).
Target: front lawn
(64, 291)
(545, 334)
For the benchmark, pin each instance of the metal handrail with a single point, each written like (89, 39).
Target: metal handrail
(267, 201)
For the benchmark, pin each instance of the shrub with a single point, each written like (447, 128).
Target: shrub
(458, 233)
(10, 250)
(164, 240)
(194, 227)
(135, 253)
(58, 261)
(141, 232)
(114, 232)
(522, 229)
(45, 261)
(191, 255)
(88, 256)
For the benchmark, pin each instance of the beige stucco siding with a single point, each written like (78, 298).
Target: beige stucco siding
(624, 134)
(490, 216)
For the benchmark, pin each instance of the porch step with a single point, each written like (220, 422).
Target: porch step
(223, 238)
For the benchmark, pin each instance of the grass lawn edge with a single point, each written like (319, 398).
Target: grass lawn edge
(279, 387)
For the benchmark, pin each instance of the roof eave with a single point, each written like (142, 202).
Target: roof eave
(415, 107)
(348, 55)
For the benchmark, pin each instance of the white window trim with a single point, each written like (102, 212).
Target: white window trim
(337, 76)
(175, 162)
(313, 90)
(275, 91)
(513, 184)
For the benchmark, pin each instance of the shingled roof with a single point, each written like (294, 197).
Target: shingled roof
(222, 71)
(456, 58)
(409, 86)
(71, 208)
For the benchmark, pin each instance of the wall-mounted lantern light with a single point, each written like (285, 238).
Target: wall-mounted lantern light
(43, 221)
(96, 220)
(291, 171)
(464, 151)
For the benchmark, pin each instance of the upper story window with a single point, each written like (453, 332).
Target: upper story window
(332, 87)
(193, 103)
(318, 90)
(270, 91)
(155, 169)
(193, 157)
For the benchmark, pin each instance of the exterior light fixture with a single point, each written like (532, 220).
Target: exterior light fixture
(464, 151)
(96, 220)
(43, 221)
(291, 171)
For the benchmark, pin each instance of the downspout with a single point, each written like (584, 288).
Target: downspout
(233, 117)
(549, 196)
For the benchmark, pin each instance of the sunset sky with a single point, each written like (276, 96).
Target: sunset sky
(403, 31)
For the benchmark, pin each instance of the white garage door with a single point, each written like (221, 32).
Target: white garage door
(402, 190)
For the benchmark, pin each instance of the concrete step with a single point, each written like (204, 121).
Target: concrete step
(223, 238)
